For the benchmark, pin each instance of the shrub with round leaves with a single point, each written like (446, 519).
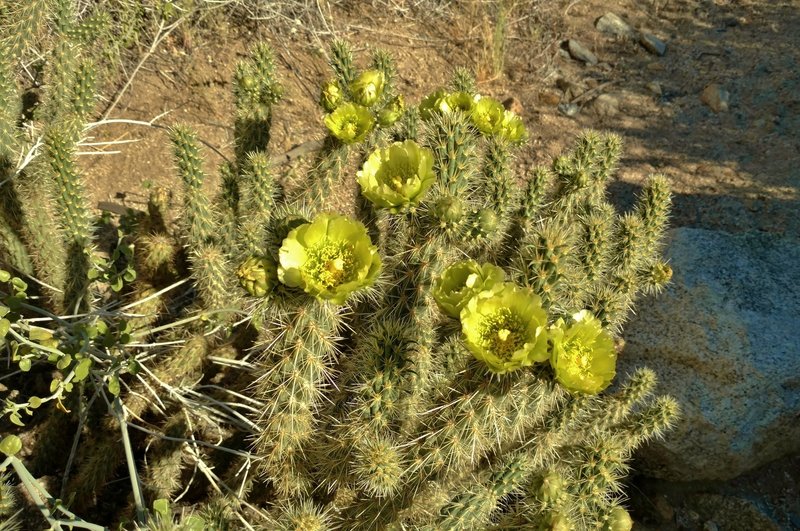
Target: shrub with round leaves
(506, 329)
(329, 258)
(350, 123)
(462, 281)
(398, 176)
(583, 354)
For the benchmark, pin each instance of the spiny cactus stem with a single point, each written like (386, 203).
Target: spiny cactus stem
(327, 171)
(189, 162)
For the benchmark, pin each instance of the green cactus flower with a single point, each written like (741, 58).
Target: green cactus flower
(462, 281)
(331, 96)
(442, 101)
(392, 111)
(487, 115)
(461, 101)
(330, 258)
(368, 87)
(257, 275)
(583, 354)
(432, 104)
(398, 176)
(506, 329)
(350, 123)
(512, 128)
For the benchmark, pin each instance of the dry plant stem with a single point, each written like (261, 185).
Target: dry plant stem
(38, 495)
(136, 484)
(84, 413)
(163, 32)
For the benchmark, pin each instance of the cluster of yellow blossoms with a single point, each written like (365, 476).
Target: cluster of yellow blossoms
(505, 326)
(332, 257)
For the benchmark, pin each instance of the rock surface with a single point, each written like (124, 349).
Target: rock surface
(653, 44)
(579, 52)
(724, 340)
(606, 106)
(716, 98)
(613, 24)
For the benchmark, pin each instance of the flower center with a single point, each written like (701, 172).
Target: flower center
(401, 184)
(580, 357)
(503, 333)
(330, 263)
(350, 128)
(370, 92)
(402, 177)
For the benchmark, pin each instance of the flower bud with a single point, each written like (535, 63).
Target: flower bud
(368, 87)
(448, 209)
(257, 275)
(331, 96)
(392, 111)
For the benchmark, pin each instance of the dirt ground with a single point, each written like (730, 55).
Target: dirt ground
(735, 170)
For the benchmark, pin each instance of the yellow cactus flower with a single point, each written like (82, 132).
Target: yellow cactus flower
(462, 281)
(257, 275)
(331, 96)
(487, 115)
(507, 329)
(583, 354)
(350, 123)
(329, 258)
(368, 87)
(392, 111)
(512, 128)
(398, 176)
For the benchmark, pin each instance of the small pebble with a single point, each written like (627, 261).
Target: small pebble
(653, 44)
(715, 98)
(655, 88)
(606, 106)
(549, 98)
(579, 52)
(513, 104)
(613, 24)
(568, 109)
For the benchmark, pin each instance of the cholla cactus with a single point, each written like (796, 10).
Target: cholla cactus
(431, 352)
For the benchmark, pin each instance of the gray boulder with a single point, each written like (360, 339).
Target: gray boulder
(724, 339)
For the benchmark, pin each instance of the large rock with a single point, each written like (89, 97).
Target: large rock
(724, 339)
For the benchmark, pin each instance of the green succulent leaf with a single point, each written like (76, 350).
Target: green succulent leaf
(82, 369)
(10, 445)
